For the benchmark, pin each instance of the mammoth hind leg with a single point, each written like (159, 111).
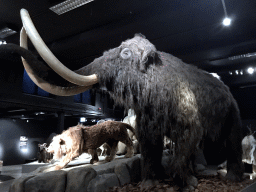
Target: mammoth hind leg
(235, 168)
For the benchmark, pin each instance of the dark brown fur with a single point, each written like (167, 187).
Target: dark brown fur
(174, 99)
(78, 139)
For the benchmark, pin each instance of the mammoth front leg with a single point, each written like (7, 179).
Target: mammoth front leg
(151, 146)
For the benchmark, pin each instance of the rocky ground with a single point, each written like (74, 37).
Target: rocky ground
(205, 184)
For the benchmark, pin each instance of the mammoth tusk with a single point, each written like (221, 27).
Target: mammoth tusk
(48, 56)
(53, 89)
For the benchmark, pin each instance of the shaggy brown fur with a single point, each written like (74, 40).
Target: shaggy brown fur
(78, 139)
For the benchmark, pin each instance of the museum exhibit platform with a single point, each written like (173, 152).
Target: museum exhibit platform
(79, 175)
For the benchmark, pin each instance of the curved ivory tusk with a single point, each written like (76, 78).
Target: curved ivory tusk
(53, 89)
(49, 58)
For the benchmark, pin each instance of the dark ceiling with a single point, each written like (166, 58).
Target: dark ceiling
(190, 30)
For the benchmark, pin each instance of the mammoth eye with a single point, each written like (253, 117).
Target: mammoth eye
(126, 53)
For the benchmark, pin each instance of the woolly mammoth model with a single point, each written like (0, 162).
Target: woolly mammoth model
(76, 140)
(170, 98)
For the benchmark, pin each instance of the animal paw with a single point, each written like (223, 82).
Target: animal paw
(128, 155)
(92, 161)
(52, 168)
(109, 158)
(58, 167)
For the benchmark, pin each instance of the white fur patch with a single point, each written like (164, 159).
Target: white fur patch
(249, 143)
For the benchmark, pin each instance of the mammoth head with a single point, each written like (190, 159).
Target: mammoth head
(138, 47)
(138, 52)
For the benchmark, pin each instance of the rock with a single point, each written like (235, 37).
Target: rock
(44, 169)
(222, 173)
(209, 172)
(5, 178)
(18, 184)
(105, 168)
(199, 167)
(188, 188)
(199, 157)
(135, 168)
(103, 182)
(192, 181)
(78, 179)
(122, 172)
(54, 181)
(171, 189)
(83, 178)
(222, 165)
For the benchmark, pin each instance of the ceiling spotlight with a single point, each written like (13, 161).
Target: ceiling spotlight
(237, 72)
(250, 70)
(230, 73)
(241, 72)
(226, 21)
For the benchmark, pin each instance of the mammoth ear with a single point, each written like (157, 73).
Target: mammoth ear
(126, 53)
(150, 59)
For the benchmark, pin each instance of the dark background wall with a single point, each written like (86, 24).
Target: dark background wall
(10, 132)
(15, 89)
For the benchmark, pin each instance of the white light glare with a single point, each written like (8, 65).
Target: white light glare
(24, 150)
(237, 72)
(215, 75)
(226, 21)
(83, 119)
(2, 42)
(250, 70)
(230, 73)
